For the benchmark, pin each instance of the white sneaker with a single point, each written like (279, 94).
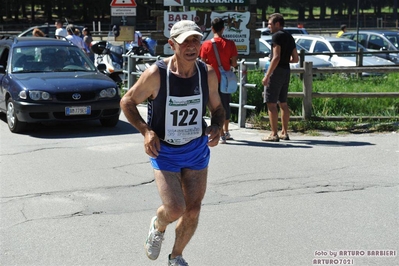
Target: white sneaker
(154, 241)
(227, 135)
(178, 261)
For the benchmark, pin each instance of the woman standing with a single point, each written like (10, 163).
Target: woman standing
(87, 39)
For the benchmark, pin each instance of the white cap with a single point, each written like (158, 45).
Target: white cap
(183, 29)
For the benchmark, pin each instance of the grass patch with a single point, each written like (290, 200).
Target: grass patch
(323, 107)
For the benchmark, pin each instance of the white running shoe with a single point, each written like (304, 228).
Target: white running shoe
(154, 241)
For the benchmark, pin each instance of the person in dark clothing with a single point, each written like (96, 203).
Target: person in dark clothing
(277, 77)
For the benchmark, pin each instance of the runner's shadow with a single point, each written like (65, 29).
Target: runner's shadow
(299, 143)
(332, 143)
(279, 145)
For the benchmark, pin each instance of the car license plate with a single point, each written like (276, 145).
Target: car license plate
(78, 110)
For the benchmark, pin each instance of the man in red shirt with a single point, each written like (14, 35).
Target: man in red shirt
(228, 57)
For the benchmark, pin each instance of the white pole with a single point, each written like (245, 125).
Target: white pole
(94, 26)
(99, 26)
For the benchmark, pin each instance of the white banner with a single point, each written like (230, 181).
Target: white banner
(123, 11)
(235, 27)
(173, 2)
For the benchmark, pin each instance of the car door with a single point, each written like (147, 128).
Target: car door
(4, 51)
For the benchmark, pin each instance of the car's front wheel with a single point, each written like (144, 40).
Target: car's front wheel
(109, 122)
(14, 124)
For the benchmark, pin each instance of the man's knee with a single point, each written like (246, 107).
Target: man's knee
(272, 107)
(175, 212)
(193, 211)
(284, 106)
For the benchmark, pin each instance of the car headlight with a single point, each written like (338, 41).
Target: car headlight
(39, 95)
(22, 95)
(108, 93)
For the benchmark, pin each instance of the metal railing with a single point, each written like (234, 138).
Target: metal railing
(135, 69)
(307, 94)
(242, 89)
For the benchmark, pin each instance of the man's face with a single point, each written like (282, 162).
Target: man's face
(274, 27)
(189, 49)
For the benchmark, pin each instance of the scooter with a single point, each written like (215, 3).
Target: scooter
(111, 56)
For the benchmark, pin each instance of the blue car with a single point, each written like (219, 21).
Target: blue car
(44, 79)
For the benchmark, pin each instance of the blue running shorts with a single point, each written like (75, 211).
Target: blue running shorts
(194, 155)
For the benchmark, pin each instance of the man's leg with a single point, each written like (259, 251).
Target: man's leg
(273, 117)
(171, 193)
(194, 187)
(285, 117)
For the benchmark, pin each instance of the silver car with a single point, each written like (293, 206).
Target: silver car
(328, 46)
(381, 40)
(265, 48)
(265, 32)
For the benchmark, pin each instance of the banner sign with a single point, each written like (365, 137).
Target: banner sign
(123, 11)
(235, 26)
(173, 2)
(203, 3)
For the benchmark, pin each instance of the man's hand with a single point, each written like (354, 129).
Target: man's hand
(213, 132)
(152, 144)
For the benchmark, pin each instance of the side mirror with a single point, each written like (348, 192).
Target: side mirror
(2, 69)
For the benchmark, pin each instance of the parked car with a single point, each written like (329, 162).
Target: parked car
(265, 48)
(292, 30)
(44, 79)
(48, 29)
(319, 44)
(378, 41)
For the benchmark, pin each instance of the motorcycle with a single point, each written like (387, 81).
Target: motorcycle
(109, 60)
(109, 55)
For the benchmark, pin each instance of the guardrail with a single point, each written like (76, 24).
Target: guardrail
(242, 89)
(308, 94)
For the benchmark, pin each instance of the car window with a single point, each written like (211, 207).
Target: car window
(263, 48)
(4, 51)
(362, 39)
(305, 43)
(299, 48)
(394, 39)
(49, 58)
(320, 47)
(376, 42)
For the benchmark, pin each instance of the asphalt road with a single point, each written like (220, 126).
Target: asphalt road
(81, 194)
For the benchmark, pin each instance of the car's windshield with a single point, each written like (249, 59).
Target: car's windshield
(49, 59)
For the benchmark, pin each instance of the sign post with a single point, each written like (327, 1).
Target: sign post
(123, 17)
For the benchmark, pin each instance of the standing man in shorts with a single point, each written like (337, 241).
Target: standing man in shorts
(176, 137)
(277, 78)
